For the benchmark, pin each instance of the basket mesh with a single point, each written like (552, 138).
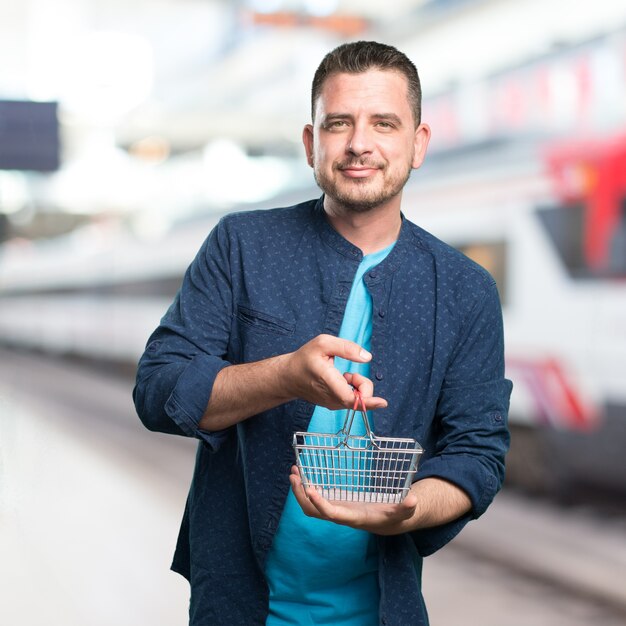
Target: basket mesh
(362, 469)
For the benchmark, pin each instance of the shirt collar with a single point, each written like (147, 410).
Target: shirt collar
(341, 245)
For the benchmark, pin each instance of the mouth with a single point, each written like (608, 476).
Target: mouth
(358, 171)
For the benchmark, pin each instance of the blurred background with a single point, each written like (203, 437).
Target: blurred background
(128, 128)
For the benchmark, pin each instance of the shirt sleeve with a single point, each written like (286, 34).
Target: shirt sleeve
(471, 419)
(185, 353)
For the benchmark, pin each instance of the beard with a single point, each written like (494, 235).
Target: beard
(360, 195)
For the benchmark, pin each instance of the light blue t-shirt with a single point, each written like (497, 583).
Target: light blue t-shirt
(320, 572)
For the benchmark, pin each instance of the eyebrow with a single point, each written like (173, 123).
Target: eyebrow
(331, 117)
(390, 117)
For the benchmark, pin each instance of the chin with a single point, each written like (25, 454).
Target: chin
(361, 203)
(356, 197)
(359, 206)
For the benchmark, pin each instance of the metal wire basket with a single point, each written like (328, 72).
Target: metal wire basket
(357, 468)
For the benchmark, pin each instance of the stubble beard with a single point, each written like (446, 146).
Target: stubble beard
(355, 196)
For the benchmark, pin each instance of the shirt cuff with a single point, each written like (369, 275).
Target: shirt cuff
(466, 472)
(428, 540)
(470, 475)
(188, 401)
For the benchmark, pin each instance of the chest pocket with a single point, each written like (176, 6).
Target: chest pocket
(263, 322)
(263, 335)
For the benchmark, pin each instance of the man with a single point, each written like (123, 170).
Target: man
(285, 313)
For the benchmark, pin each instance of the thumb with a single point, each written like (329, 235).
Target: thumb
(346, 349)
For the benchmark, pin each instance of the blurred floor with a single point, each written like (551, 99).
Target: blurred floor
(462, 589)
(86, 533)
(91, 502)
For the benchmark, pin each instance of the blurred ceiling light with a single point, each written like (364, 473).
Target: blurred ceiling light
(265, 6)
(344, 25)
(14, 193)
(151, 149)
(150, 225)
(102, 177)
(564, 91)
(233, 177)
(321, 8)
(106, 75)
(48, 30)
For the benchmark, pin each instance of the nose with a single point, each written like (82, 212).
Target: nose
(360, 141)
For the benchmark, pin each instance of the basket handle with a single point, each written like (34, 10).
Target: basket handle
(359, 404)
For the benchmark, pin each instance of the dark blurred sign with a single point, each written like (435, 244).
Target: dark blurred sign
(29, 136)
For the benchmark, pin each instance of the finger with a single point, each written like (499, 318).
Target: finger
(354, 514)
(349, 350)
(301, 497)
(338, 388)
(409, 504)
(341, 387)
(324, 508)
(312, 502)
(360, 382)
(366, 389)
(378, 518)
(375, 403)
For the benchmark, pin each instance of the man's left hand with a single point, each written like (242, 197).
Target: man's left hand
(378, 518)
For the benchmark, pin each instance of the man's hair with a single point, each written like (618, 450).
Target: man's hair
(360, 56)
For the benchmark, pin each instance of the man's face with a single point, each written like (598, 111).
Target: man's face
(364, 142)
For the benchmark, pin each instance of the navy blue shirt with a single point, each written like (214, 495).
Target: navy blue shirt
(263, 284)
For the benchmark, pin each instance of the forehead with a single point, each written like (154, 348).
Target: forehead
(374, 91)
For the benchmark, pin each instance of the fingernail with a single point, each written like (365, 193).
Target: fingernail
(364, 354)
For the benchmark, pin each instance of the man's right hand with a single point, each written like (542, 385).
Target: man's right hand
(310, 374)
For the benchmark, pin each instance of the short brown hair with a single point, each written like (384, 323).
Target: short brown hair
(360, 56)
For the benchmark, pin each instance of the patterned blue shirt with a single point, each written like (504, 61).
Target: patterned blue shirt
(320, 572)
(263, 284)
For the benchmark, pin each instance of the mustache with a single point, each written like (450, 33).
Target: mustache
(344, 165)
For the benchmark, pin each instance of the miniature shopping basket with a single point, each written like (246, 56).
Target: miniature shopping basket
(366, 468)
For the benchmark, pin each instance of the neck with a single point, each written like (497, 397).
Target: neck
(371, 230)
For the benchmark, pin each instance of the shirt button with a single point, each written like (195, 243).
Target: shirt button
(373, 274)
(354, 252)
(343, 291)
(379, 376)
(381, 312)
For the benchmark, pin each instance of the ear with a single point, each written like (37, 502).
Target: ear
(307, 140)
(420, 143)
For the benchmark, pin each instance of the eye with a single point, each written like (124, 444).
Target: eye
(335, 123)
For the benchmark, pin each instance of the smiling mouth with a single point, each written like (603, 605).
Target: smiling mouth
(358, 170)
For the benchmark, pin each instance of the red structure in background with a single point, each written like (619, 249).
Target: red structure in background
(593, 173)
(556, 400)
